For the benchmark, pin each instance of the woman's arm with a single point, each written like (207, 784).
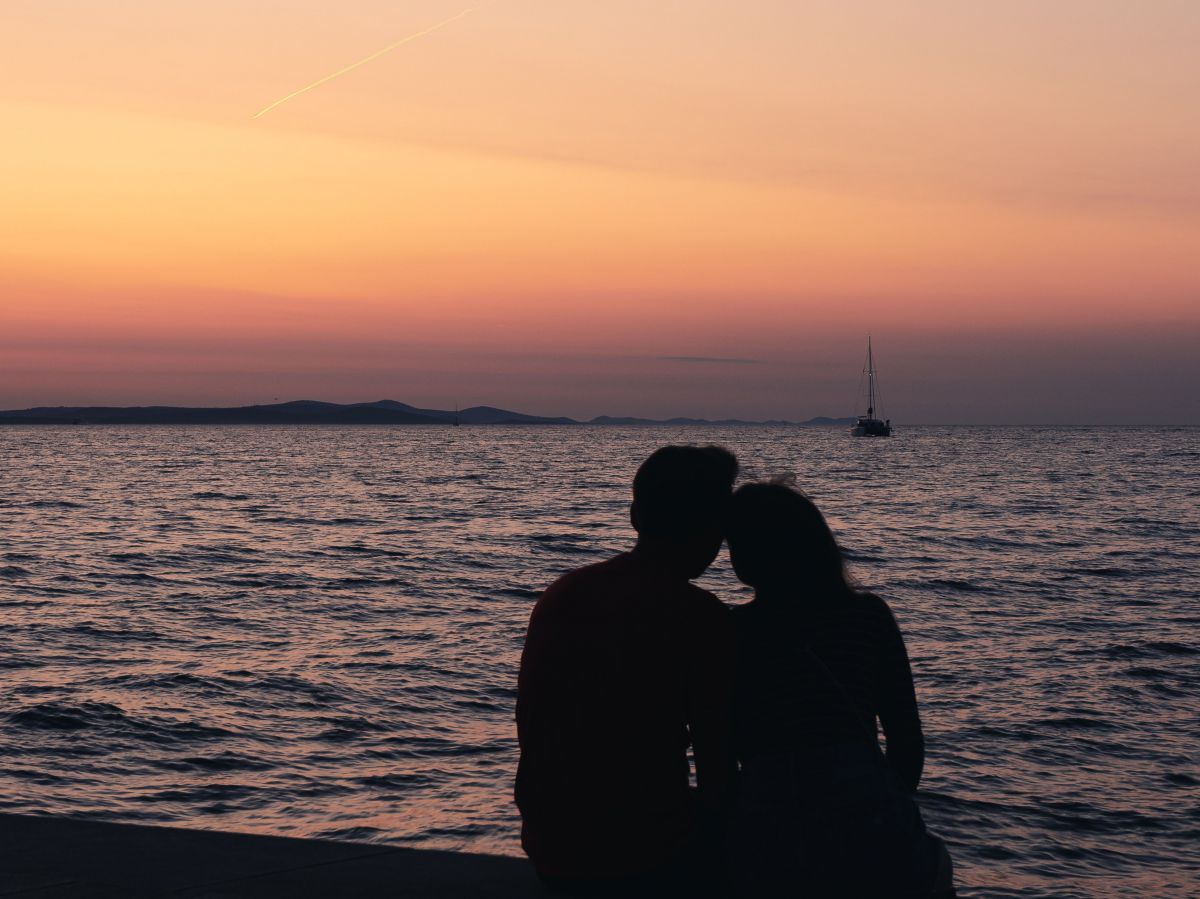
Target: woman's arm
(897, 699)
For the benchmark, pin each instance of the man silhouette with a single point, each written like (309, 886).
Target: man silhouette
(625, 665)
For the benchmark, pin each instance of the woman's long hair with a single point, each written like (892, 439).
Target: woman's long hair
(779, 541)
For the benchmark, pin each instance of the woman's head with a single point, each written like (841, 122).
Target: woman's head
(779, 539)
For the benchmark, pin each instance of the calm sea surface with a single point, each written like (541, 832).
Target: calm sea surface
(315, 631)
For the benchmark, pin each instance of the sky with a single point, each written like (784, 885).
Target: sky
(681, 208)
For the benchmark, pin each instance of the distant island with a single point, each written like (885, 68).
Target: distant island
(382, 412)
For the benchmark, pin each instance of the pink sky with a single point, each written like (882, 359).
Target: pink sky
(543, 206)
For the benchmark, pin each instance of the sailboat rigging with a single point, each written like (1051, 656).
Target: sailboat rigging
(871, 425)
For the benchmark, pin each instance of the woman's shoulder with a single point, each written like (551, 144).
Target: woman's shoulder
(872, 608)
(870, 602)
(752, 623)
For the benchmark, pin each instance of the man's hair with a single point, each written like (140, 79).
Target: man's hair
(682, 490)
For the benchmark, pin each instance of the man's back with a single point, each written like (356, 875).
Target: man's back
(620, 662)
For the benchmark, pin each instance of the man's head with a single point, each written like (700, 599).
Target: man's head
(681, 497)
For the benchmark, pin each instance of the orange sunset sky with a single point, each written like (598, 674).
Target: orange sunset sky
(669, 208)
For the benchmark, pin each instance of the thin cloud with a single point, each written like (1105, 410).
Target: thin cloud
(711, 360)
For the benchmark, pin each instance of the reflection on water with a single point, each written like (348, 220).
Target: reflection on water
(315, 631)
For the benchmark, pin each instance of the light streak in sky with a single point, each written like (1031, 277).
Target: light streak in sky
(362, 62)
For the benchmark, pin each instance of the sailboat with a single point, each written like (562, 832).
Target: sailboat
(869, 425)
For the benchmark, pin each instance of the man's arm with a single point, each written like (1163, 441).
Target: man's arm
(533, 683)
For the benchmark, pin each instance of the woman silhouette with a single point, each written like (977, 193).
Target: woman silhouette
(822, 810)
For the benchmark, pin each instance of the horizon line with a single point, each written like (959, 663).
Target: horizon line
(549, 419)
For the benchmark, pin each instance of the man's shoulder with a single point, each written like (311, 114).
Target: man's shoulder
(584, 578)
(589, 579)
(615, 574)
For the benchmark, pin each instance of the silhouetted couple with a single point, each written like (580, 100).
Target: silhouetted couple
(627, 665)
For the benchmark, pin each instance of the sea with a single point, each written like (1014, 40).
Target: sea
(315, 631)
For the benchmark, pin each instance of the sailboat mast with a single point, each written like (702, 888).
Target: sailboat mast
(870, 379)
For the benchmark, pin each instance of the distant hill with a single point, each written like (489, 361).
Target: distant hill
(475, 415)
(822, 422)
(315, 412)
(300, 412)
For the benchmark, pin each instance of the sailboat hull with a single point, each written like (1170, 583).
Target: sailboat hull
(872, 427)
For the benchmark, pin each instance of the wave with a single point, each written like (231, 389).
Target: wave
(224, 762)
(958, 586)
(114, 722)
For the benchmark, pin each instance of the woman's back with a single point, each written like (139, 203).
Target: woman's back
(818, 674)
(820, 667)
(818, 805)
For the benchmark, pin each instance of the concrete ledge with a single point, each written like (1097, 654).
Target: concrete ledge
(69, 858)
